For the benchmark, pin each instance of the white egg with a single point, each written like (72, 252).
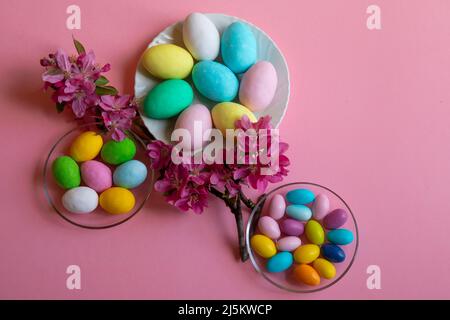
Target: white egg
(80, 200)
(201, 37)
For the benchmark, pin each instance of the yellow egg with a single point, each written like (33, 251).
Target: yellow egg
(263, 246)
(325, 268)
(225, 114)
(168, 61)
(86, 146)
(306, 253)
(117, 200)
(314, 232)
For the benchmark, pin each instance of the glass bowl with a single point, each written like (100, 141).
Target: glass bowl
(98, 219)
(285, 280)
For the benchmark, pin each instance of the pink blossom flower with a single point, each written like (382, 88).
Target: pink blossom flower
(222, 178)
(159, 154)
(193, 197)
(81, 95)
(86, 68)
(115, 103)
(254, 171)
(58, 66)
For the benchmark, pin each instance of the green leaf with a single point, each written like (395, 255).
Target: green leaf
(101, 81)
(78, 46)
(60, 107)
(106, 90)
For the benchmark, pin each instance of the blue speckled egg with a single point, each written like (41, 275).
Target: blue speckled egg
(215, 81)
(299, 212)
(280, 262)
(238, 47)
(340, 236)
(300, 196)
(130, 174)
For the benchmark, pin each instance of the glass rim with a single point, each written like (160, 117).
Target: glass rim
(63, 216)
(255, 264)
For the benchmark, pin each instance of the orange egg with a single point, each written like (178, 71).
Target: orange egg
(306, 274)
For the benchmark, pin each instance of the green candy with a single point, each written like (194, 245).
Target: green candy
(66, 172)
(168, 99)
(117, 152)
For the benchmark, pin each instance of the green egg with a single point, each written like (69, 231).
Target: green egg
(168, 99)
(117, 152)
(66, 172)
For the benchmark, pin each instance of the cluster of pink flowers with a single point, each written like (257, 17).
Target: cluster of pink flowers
(187, 186)
(77, 82)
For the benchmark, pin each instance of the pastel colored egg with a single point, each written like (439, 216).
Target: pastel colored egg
(306, 253)
(196, 122)
(292, 227)
(130, 174)
(80, 200)
(340, 236)
(215, 81)
(96, 175)
(300, 196)
(167, 99)
(289, 243)
(277, 207)
(117, 200)
(335, 219)
(117, 152)
(225, 114)
(333, 253)
(306, 274)
(201, 37)
(324, 268)
(321, 206)
(238, 47)
(269, 227)
(66, 172)
(263, 246)
(86, 146)
(315, 232)
(299, 212)
(258, 86)
(280, 262)
(167, 61)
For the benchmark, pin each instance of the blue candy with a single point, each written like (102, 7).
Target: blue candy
(280, 262)
(130, 174)
(333, 253)
(340, 236)
(215, 81)
(238, 47)
(300, 196)
(299, 212)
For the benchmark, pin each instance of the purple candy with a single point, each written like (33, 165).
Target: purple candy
(335, 219)
(292, 227)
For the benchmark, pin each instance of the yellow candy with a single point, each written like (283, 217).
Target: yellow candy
(314, 232)
(306, 253)
(263, 246)
(325, 268)
(225, 114)
(168, 61)
(117, 200)
(86, 146)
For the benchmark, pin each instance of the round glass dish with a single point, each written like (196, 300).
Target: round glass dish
(98, 219)
(285, 280)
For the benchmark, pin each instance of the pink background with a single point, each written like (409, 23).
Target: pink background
(368, 116)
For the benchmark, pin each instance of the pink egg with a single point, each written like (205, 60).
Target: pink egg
(277, 206)
(288, 243)
(258, 86)
(96, 175)
(269, 227)
(321, 206)
(196, 119)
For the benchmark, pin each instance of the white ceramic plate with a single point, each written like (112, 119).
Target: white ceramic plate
(267, 50)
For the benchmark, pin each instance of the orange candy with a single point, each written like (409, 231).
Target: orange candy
(306, 274)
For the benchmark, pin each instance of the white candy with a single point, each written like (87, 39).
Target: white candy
(201, 37)
(80, 200)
